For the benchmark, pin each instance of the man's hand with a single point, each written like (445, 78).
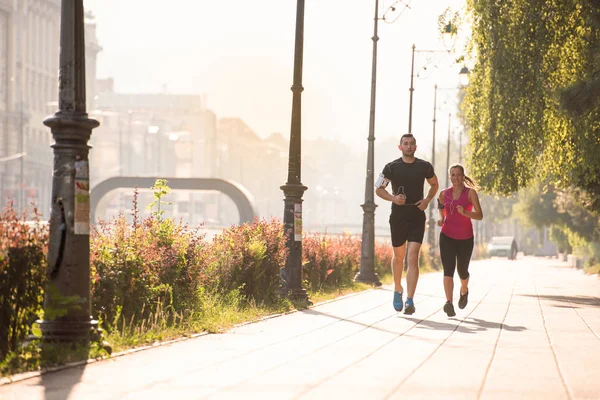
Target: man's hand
(422, 204)
(440, 222)
(399, 199)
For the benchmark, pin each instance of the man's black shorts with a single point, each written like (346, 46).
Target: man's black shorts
(408, 225)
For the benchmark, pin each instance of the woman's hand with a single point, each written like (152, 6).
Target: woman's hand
(440, 222)
(461, 210)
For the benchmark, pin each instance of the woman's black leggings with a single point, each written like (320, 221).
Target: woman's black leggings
(456, 252)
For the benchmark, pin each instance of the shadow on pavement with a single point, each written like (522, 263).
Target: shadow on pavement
(392, 314)
(369, 326)
(569, 301)
(468, 325)
(59, 385)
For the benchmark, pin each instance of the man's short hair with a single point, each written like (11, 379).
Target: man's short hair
(407, 135)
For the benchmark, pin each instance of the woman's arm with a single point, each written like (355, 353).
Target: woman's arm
(440, 221)
(477, 212)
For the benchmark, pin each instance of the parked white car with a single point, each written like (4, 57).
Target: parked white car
(503, 246)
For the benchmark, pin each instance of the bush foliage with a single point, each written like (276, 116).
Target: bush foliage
(22, 273)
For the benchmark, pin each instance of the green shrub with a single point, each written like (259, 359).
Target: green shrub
(248, 257)
(329, 261)
(22, 275)
(139, 267)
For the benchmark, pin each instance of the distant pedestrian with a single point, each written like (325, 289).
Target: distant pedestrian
(458, 205)
(407, 219)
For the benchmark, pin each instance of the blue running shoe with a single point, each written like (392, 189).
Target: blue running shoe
(397, 301)
(409, 307)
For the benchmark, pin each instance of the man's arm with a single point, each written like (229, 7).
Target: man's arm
(382, 192)
(398, 199)
(433, 188)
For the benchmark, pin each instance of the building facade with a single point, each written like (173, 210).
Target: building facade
(29, 61)
(157, 135)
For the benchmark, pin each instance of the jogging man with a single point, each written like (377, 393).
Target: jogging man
(407, 219)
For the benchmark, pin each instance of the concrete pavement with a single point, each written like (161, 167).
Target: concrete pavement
(531, 330)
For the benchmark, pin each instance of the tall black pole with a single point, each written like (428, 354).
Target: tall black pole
(448, 150)
(367, 255)
(412, 89)
(294, 189)
(431, 233)
(69, 243)
(460, 137)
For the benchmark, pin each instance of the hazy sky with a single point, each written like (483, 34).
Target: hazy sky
(239, 54)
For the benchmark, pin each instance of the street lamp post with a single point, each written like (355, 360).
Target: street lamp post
(294, 189)
(448, 150)
(412, 89)
(366, 272)
(431, 231)
(69, 242)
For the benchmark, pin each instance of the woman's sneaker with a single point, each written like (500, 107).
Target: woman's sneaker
(464, 299)
(449, 309)
(409, 307)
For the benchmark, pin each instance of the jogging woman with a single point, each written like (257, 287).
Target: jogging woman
(458, 205)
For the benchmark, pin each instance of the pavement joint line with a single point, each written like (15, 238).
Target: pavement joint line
(491, 361)
(395, 388)
(33, 374)
(560, 373)
(580, 316)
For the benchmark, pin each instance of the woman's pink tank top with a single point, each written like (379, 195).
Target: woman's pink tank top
(457, 226)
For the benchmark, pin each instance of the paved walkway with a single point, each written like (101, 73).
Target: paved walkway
(531, 330)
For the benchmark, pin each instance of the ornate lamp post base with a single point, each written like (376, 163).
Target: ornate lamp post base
(68, 330)
(367, 274)
(370, 279)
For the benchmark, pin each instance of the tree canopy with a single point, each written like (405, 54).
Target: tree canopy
(533, 104)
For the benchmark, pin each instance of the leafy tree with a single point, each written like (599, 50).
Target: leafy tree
(532, 104)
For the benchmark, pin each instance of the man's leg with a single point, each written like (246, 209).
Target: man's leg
(397, 264)
(412, 275)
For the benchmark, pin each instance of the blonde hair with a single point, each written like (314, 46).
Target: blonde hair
(470, 182)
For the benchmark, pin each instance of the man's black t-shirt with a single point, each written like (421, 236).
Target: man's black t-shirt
(408, 179)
